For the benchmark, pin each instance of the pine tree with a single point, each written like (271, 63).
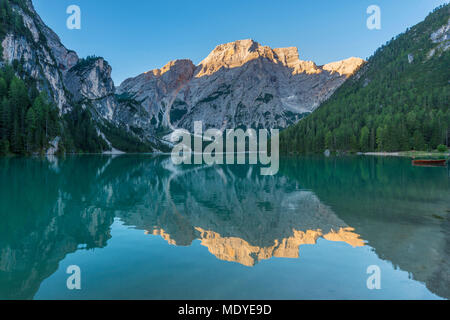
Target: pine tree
(364, 139)
(3, 87)
(418, 141)
(30, 130)
(16, 138)
(5, 118)
(403, 106)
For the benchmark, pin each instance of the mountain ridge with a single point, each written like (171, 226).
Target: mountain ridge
(241, 84)
(238, 84)
(223, 56)
(80, 88)
(398, 101)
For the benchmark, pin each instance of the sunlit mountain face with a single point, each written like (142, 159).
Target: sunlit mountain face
(239, 84)
(140, 217)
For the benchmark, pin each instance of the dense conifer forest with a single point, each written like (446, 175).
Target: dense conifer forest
(29, 120)
(30, 123)
(398, 101)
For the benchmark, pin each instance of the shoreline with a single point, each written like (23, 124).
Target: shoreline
(383, 154)
(407, 154)
(115, 152)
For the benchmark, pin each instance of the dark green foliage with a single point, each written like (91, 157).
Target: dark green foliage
(131, 103)
(28, 121)
(126, 98)
(81, 134)
(123, 140)
(85, 62)
(265, 99)
(442, 148)
(390, 104)
(177, 114)
(11, 21)
(221, 91)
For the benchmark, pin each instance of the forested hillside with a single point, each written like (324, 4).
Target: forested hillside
(46, 101)
(29, 121)
(398, 101)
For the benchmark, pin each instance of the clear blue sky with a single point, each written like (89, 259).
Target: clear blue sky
(139, 35)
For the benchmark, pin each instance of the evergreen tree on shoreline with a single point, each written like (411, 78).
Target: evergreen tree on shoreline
(391, 104)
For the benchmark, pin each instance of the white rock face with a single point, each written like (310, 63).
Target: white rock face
(239, 84)
(159, 87)
(345, 67)
(68, 80)
(47, 61)
(442, 38)
(93, 82)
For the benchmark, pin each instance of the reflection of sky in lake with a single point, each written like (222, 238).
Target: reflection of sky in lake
(161, 271)
(140, 228)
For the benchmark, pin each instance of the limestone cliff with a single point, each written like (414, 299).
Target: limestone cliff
(68, 80)
(239, 84)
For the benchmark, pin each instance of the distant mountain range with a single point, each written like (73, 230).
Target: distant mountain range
(239, 84)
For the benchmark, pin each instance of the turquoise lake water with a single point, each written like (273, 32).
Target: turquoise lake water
(139, 227)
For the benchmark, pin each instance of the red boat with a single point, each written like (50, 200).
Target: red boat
(433, 163)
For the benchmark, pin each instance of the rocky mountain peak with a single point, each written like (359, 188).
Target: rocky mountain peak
(233, 55)
(287, 56)
(91, 79)
(175, 66)
(345, 67)
(240, 83)
(236, 54)
(71, 82)
(45, 61)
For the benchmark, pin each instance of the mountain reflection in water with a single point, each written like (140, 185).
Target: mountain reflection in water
(53, 207)
(241, 216)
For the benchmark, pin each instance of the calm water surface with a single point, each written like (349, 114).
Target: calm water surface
(141, 228)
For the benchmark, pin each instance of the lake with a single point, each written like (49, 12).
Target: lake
(139, 227)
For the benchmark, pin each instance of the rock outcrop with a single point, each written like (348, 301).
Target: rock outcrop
(441, 37)
(93, 82)
(43, 56)
(69, 80)
(239, 84)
